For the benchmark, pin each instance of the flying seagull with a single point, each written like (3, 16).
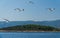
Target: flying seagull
(18, 9)
(51, 9)
(5, 19)
(31, 2)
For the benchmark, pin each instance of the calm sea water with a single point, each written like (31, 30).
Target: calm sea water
(29, 35)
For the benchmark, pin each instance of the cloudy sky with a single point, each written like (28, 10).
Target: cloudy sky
(37, 11)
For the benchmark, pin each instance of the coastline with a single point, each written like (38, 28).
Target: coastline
(25, 31)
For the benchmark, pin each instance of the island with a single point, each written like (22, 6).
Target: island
(30, 28)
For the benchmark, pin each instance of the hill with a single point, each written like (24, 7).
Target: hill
(30, 27)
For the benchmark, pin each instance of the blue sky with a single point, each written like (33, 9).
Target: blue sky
(37, 11)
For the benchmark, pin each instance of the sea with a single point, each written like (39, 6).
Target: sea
(29, 34)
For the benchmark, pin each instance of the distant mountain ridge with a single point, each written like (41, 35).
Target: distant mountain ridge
(55, 23)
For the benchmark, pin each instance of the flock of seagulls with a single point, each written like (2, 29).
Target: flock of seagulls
(20, 10)
(31, 2)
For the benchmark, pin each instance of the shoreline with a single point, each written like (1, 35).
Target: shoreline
(25, 31)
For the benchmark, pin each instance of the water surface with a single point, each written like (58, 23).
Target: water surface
(29, 35)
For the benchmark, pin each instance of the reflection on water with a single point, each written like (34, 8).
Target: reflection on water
(29, 35)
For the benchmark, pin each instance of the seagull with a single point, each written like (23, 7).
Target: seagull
(51, 9)
(31, 2)
(18, 9)
(5, 19)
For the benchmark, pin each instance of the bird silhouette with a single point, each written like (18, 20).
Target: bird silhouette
(51, 9)
(31, 2)
(6, 20)
(18, 9)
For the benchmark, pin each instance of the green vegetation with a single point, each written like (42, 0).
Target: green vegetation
(31, 27)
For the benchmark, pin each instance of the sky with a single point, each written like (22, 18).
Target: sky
(37, 11)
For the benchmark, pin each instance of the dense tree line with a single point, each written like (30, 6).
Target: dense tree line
(31, 27)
